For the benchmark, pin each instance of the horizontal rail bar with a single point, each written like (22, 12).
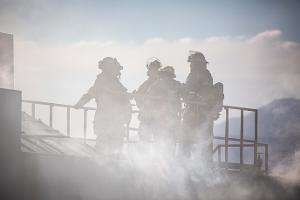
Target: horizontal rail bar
(92, 108)
(232, 139)
(240, 108)
(55, 104)
(90, 139)
(45, 136)
(238, 145)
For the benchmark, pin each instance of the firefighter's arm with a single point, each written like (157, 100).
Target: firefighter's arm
(88, 96)
(139, 94)
(83, 100)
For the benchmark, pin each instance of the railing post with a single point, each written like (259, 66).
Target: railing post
(266, 159)
(68, 121)
(255, 137)
(85, 125)
(51, 116)
(33, 110)
(242, 139)
(226, 137)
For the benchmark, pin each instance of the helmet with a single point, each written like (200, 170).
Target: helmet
(194, 55)
(168, 71)
(153, 63)
(109, 63)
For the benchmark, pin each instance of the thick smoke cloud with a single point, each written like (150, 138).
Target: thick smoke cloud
(151, 176)
(254, 70)
(289, 169)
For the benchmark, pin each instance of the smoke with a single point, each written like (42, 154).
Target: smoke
(150, 171)
(156, 173)
(263, 65)
(153, 174)
(288, 170)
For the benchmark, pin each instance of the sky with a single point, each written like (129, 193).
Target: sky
(252, 46)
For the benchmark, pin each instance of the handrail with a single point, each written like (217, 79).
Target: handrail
(93, 108)
(236, 145)
(226, 138)
(233, 139)
(56, 104)
(266, 155)
(240, 108)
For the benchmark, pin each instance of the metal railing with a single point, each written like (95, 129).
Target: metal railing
(242, 141)
(250, 143)
(68, 116)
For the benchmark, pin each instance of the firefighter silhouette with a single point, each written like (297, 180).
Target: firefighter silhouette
(203, 102)
(145, 115)
(164, 98)
(113, 107)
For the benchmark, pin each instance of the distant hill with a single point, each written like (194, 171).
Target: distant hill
(278, 126)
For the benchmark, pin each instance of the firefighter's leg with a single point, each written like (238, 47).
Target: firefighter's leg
(144, 145)
(204, 148)
(145, 132)
(115, 139)
(99, 131)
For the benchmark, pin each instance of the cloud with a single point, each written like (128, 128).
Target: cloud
(265, 36)
(88, 44)
(185, 40)
(289, 45)
(255, 70)
(155, 41)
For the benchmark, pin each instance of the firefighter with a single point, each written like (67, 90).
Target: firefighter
(203, 103)
(145, 117)
(113, 107)
(165, 97)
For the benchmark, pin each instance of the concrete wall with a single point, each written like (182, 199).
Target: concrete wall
(10, 132)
